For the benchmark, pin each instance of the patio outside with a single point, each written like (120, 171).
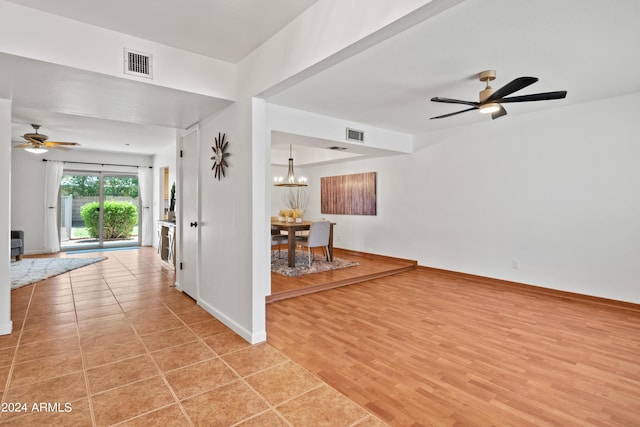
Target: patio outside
(80, 190)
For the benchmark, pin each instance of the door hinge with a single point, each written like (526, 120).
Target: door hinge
(180, 153)
(180, 266)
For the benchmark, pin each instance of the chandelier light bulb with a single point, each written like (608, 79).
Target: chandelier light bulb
(290, 180)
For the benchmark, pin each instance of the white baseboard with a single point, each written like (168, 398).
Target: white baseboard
(6, 328)
(32, 252)
(178, 286)
(253, 338)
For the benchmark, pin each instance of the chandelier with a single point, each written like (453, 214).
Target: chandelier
(290, 180)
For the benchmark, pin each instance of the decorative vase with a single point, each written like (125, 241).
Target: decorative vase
(290, 219)
(298, 220)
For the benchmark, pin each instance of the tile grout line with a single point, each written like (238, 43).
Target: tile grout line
(177, 311)
(90, 395)
(20, 339)
(201, 340)
(240, 377)
(84, 361)
(145, 414)
(148, 353)
(15, 352)
(243, 379)
(27, 310)
(270, 407)
(264, 399)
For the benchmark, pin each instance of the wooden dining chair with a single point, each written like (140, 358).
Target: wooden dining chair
(318, 238)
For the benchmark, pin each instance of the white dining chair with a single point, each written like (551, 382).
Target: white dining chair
(278, 240)
(318, 238)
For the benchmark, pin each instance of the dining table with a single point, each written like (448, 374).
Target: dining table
(291, 228)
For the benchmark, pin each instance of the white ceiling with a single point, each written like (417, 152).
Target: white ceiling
(69, 103)
(98, 111)
(225, 29)
(587, 47)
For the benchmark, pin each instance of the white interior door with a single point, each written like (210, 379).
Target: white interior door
(189, 230)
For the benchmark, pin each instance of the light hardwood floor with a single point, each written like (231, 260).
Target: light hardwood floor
(369, 267)
(428, 347)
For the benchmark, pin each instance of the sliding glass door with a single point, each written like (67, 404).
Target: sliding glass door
(78, 190)
(98, 209)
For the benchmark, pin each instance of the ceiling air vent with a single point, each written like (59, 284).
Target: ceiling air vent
(138, 63)
(355, 135)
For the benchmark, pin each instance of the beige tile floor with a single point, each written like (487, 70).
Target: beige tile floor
(113, 343)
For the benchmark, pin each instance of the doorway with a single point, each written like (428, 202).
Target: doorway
(99, 210)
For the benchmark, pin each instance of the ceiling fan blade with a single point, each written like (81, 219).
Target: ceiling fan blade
(454, 101)
(33, 141)
(501, 112)
(511, 87)
(52, 143)
(545, 96)
(26, 144)
(453, 114)
(57, 147)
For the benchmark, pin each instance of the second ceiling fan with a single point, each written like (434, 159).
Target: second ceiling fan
(491, 100)
(39, 143)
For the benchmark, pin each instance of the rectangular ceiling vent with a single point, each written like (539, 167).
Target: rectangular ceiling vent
(355, 135)
(138, 63)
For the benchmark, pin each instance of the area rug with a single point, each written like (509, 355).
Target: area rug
(279, 264)
(31, 270)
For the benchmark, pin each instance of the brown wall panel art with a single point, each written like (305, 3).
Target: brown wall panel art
(348, 194)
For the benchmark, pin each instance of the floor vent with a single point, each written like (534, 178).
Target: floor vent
(355, 135)
(138, 63)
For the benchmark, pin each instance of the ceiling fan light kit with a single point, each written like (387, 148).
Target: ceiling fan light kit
(490, 100)
(38, 143)
(489, 108)
(36, 150)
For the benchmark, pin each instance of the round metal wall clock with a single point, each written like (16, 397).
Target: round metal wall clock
(220, 156)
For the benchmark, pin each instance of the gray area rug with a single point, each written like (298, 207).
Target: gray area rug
(279, 264)
(31, 270)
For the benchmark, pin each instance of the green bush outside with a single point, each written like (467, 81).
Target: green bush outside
(119, 219)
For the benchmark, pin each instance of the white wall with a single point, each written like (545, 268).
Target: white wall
(556, 191)
(322, 127)
(226, 287)
(235, 211)
(318, 126)
(27, 186)
(5, 216)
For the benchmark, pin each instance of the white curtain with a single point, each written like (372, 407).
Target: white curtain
(53, 175)
(145, 185)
